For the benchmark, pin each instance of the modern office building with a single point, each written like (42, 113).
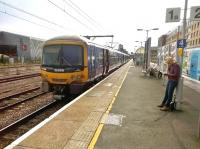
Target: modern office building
(18, 46)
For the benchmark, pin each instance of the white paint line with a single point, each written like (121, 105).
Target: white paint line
(193, 80)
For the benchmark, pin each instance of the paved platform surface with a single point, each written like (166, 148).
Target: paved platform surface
(135, 121)
(74, 126)
(119, 116)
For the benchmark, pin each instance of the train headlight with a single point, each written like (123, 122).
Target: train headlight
(43, 68)
(78, 77)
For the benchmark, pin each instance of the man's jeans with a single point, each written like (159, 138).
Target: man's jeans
(171, 85)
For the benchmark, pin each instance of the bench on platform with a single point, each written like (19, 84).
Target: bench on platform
(144, 72)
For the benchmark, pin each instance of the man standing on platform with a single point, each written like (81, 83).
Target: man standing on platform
(173, 75)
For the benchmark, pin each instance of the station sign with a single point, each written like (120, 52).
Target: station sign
(173, 14)
(180, 51)
(181, 43)
(195, 13)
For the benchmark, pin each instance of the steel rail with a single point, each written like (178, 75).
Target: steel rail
(15, 78)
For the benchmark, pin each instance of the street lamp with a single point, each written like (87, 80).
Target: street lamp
(140, 42)
(147, 51)
(147, 30)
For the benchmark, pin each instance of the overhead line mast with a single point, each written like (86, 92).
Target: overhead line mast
(95, 36)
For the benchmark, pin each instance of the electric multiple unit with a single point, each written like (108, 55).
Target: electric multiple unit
(69, 63)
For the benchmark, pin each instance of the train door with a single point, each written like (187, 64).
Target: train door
(90, 62)
(104, 61)
(93, 62)
(107, 62)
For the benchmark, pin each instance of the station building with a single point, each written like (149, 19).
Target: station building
(18, 46)
(191, 57)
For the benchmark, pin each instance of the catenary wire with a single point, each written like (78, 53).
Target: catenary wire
(38, 17)
(15, 16)
(71, 16)
(83, 14)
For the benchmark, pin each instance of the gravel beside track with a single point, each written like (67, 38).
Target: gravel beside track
(10, 86)
(10, 116)
(6, 72)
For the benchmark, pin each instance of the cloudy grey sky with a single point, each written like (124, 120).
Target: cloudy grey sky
(49, 18)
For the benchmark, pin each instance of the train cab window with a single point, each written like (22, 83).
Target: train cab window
(63, 55)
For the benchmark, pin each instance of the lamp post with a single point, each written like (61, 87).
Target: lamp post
(147, 51)
(179, 92)
(147, 31)
(140, 42)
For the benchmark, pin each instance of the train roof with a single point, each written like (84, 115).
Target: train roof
(84, 40)
(69, 37)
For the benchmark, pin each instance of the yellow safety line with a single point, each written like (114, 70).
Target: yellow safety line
(94, 139)
(100, 127)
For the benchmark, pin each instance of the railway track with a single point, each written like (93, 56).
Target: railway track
(11, 87)
(14, 130)
(20, 77)
(19, 66)
(19, 98)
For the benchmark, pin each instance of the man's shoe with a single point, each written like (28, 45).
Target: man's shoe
(165, 109)
(160, 106)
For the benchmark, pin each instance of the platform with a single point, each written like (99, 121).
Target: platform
(74, 125)
(120, 112)
(137, 123)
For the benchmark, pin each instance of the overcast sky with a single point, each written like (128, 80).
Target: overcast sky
(120, 18)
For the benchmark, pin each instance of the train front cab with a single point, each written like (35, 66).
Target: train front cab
(64, 78)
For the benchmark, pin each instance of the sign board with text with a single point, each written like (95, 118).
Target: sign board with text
(195, 13)
(181, 43)
(173, 15)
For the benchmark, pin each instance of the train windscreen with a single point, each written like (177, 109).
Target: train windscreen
(63, 55)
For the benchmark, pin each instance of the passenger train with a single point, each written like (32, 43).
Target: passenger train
(69, 63)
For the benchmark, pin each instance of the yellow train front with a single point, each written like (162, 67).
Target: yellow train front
(70, 62)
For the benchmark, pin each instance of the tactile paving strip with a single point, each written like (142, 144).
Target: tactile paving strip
(74, 144)
(87, 129)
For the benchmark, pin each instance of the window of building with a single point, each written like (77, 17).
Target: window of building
(191, 35)
(196, 41)
(187, 43)
(199, 40)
